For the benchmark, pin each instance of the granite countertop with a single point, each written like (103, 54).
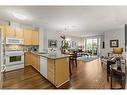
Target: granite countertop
(54, 56)
(51, 56)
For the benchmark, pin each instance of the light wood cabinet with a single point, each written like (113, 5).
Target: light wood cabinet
(32, 59)
(51, 71)
(61, 71)
(10, 31)
(19, 33)
(27, 37)
(37, 62)
(58, 71)
(31, 37)
(13, 32)
(35, 38)
(2, 28)
(27, 58)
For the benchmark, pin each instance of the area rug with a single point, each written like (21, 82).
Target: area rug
(87, 58)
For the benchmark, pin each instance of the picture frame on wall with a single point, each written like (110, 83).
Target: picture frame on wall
(52, 43)
(114, 43)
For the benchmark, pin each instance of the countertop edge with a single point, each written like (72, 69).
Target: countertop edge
(44, 55)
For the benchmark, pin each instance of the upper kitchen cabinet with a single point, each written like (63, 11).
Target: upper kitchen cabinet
(2, 29)
(19, 33)
(27, 37)
(35, 38)
(31, 37)
(10, 31)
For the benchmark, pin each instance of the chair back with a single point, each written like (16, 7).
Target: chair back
(118, 50)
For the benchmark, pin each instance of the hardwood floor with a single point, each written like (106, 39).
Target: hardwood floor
(88, 75)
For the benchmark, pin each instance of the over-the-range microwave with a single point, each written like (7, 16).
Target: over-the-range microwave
(14, 41)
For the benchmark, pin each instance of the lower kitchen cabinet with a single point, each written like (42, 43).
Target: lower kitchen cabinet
(32, 59)
(51, 71)
(58, 71)
(36, 62)
(27, 58)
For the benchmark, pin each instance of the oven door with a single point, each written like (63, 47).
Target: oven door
(15, 59)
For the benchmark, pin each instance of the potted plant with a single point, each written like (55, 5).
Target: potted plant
(64, 44)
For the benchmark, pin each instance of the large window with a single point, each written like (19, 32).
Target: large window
(91, 45)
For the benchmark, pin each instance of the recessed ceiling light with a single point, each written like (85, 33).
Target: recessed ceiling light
(19, 16)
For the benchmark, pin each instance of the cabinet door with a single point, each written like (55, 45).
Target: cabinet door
(51, 73)
(37, 62)
(10, 31)
(61, 71)
(35, 38)
(27, 58)
(19, 33)
(2, 29)
(32, 60)
(27, 37)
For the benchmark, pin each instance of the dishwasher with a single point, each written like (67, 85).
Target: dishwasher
(43, 66)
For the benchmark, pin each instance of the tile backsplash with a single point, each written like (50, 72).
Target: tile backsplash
(14, 47)
(21, 47)
(30, 48)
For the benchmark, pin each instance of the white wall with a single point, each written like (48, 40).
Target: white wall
(109, 35)
(41, 39)
(46, 35)
(113, 35)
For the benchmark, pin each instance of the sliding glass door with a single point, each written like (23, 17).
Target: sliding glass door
(91, 45)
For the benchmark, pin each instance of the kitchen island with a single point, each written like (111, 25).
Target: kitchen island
(55, 68)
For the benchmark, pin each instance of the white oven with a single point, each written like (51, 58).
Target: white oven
(14, 41)
(14, 60)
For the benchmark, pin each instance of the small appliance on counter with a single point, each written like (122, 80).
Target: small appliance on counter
(52, 52)
(32, 48)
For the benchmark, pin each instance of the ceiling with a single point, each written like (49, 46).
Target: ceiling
(72, 20)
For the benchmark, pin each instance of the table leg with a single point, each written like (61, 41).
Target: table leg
(123, 81)
(111, 78)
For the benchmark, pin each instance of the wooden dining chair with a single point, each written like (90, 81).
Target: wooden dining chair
(109, 62)
(72, 61)
(117, 74)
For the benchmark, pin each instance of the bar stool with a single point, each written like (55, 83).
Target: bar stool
(73, 60)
